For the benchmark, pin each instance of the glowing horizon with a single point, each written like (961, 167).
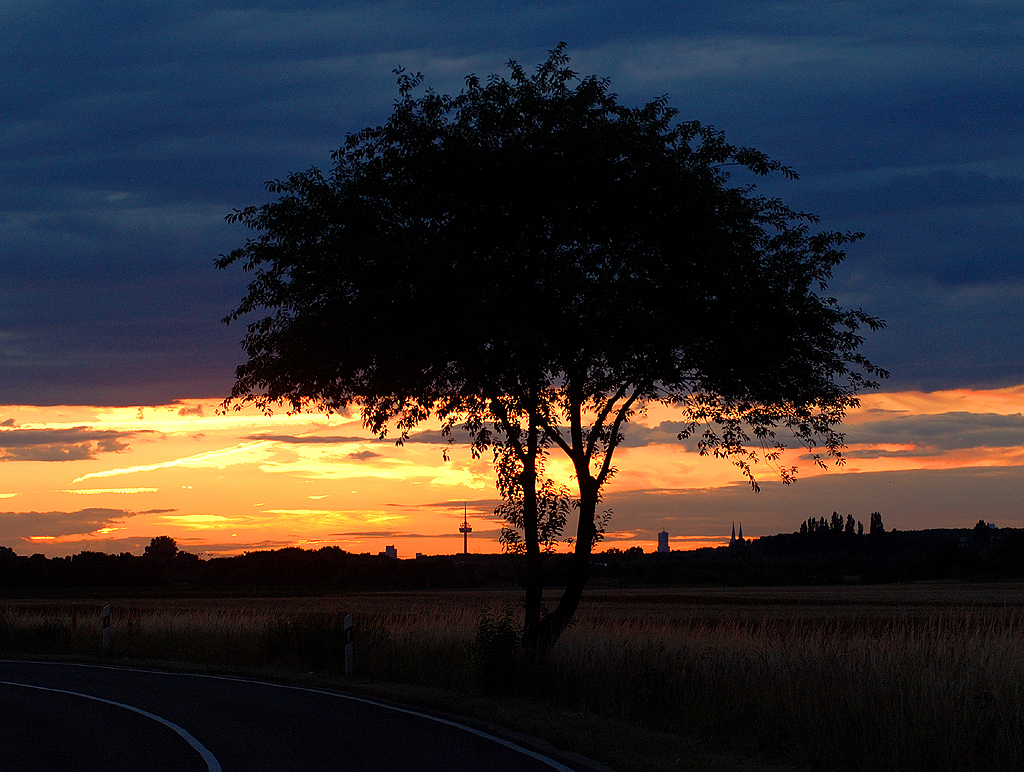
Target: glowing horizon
(109, 479)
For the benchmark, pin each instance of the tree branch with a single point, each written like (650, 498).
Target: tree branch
(595, 432)
(512, 433)
(613, 441)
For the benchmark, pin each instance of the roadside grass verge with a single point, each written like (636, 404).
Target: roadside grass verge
(644, 681)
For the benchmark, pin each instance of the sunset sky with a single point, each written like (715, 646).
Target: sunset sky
(130, 130)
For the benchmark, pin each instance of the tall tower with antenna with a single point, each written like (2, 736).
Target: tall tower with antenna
(465, 529)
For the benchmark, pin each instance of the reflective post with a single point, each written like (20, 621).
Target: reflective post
(349, 640)
(106, 629)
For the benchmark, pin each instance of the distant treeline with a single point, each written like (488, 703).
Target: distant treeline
(164, 565)
(825, 554)
(837, 527)
(824, 551)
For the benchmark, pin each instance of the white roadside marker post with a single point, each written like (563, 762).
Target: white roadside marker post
(349, 640)
(106, 629)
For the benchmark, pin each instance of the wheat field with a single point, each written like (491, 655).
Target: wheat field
(917, 677)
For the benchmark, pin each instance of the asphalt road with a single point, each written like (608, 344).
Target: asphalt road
(84, 718)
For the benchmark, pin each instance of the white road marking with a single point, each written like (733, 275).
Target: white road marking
(211, 761)
(559, 767)
(493, 738)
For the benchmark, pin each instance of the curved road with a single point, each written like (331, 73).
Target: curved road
(84, 717)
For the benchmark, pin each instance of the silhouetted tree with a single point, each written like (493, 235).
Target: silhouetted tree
(836, 524)
(850, 527)
(161, 549)
(534, 262)
(876, 528)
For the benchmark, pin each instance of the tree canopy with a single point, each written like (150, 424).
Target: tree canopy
(161, 549)
(533, 262)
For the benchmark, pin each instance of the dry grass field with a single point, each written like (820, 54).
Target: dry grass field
(898, 677)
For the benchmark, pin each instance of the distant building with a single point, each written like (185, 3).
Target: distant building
(663, 541)
(391, 552)
(736, 540)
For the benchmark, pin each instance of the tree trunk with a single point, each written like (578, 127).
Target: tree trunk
(531, 538)
(551, 627)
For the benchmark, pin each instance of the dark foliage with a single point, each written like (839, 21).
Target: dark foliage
(161, 549)
(496, 652)
(318, 570)
(824, 558)
(533, 262)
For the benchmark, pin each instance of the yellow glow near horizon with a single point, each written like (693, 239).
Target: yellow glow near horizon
(100, 491)
(243, 480)
(1005, 401)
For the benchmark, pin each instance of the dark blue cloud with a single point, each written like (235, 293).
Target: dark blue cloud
(946, 431)
(128, 130)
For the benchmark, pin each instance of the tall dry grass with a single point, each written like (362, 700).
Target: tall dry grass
(852, 682)
(846, 693)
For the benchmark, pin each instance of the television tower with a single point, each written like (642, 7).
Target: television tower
(465, 529)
